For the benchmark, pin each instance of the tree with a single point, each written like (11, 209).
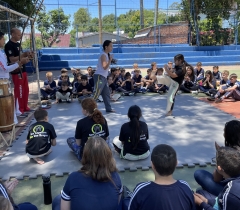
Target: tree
(174, 5)
(109, 23)
(82, 19)
(23, 6)
(94, 25)
(26, 44)
(51, 25)
(73, 38)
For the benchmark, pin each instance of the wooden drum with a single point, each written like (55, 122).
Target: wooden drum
(6, 105)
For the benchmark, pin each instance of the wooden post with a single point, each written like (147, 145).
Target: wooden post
(100, 20)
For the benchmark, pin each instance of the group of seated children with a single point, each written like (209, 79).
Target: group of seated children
(219, 191)
(219, 86)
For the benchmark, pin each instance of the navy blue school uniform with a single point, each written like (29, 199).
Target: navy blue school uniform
(207, 86)
(128, 86)
(199, 74)
(149, 195)
(86, 193)
(228, 199)
(75, 86)
(217, 76)
(223, 82)
(137, 79)
(60, 83)
(52, 85)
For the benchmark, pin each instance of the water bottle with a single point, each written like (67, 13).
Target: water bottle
(47, 190)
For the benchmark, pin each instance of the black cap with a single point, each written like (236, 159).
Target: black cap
(84, 77)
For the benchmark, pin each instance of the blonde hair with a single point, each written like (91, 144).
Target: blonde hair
(49, 74)
(63, 70)
(135, 65)
(153, 63)
(226, 72)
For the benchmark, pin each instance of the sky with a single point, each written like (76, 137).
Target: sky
(108, 6)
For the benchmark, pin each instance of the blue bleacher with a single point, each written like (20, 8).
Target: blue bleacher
(144, 55)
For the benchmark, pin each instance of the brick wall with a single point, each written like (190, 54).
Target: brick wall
(169, 34)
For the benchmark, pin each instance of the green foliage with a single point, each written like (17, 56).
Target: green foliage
(26, 44)
(52, 24)
(82, 19)
(23, 6)
(108, 23)
(72, 39)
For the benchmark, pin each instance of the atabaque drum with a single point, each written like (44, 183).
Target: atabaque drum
(6, 105)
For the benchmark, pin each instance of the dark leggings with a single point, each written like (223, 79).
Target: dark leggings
(188, 90)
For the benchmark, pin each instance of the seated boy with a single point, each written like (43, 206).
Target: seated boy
(49, 88)
(127, 85)
(84, 90)
(228, 165)
(154, 66)
(135, 67)
(231, 89)
(41, 137)
(76, 84)
(137, 81)
(147, 81)
(199, 72)
(165, 192)
(63, 71)
(217, 74)
(64, 93)
(112, 88)
(64, 78)
(90, 76)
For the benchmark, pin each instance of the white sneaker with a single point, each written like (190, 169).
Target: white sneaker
(179, 92)
(195, 92)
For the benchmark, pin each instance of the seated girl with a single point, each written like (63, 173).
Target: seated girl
(213, 182)
(132, 143)
(208, 83)
(189, 83)
(94, 124)
(96, 185)
(127, 86)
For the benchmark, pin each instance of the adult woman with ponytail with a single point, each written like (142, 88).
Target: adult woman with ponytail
(173, 80)
(132, 142)
(94, 124)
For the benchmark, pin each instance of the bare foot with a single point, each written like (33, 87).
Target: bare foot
(11, 184)
(39, 161)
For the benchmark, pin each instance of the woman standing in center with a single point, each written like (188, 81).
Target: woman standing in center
(100, 76)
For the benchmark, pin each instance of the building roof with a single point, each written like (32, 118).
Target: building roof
(96, 33)
(65, 39)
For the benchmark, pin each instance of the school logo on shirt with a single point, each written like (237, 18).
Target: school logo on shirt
(38, 129)
(97, 130)
(10, 52)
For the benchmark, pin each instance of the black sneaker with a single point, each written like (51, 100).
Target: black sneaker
(68, 101)
(60, 101)
(211, 98)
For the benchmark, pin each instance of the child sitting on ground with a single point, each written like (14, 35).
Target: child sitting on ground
(76, 84)
(41, 137)
(231, 89)
(63, 71)
(135, 67)
(137, 81)
(228, 165)
(208, 83)
(147, 81)
(90, 76)
(84, 90)
(75, 72)
(199, 72)
(64, 93)
(153, 66)
(164, 192)
(160, 88)
(64, 78)
(218, 93)
(217, 74)
(127, 85)
(189, 83)
(112, 88)
(49, 88)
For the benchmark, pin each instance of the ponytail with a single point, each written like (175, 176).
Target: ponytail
(135, 134)
(134, 114)
(97, 117)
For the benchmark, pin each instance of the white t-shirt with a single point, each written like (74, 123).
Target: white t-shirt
(100, 70)
(4, 68)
